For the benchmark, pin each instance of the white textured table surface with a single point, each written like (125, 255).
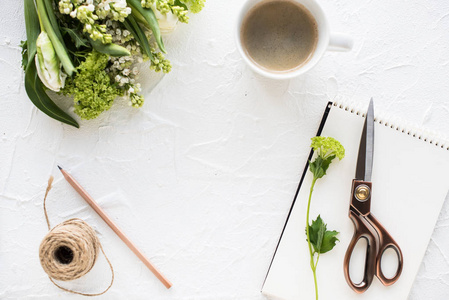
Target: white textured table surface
(202, 177)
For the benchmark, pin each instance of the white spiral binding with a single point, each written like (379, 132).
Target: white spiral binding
(408, 128)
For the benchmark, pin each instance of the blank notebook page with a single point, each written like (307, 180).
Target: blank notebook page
(410, 182)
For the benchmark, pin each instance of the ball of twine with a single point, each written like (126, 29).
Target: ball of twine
(70, 250)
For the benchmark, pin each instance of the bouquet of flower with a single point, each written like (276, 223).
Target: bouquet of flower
(90, 50)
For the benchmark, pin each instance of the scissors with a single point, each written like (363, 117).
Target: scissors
(365, 224)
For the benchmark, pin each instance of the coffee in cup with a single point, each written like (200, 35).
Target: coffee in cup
(279, 35)
(282, 39)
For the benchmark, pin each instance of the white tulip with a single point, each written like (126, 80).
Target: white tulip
(48, 65)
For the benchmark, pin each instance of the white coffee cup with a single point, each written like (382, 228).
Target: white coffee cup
(326, 40)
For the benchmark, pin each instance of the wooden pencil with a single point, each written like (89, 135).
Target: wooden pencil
(114, 227)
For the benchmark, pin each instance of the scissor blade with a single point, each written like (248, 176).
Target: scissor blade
(366, 148)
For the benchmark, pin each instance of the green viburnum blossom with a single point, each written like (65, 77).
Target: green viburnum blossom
(91, 87)
(328, 146)
(327, 149)
(195, 6)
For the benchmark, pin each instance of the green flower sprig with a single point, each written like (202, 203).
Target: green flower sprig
(160, 63)
(319, 239)
(161, 5)
(178, 8)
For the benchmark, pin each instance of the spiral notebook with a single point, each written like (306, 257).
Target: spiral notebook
(410, 184)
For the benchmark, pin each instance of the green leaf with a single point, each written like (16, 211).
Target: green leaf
(320, 235)
(52, 18)
(322, 239)
(314, 232)
(78, 39)
(138, 33)
(24, 46)
(109, 49)
(179, 3)
(33, 84)
(150, 18)
(40, 99)
(139, 18)
(319, 166)
(329, 241)
(32, 28)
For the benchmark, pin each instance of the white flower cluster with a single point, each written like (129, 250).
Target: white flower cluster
(102, 19)
(116, 10)
(119, 35)
(123, 70)
(126, 74)
(89, 11)
(65, 7)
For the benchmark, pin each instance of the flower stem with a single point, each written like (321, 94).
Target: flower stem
(312, 263)
(40, 23)
(316, 283)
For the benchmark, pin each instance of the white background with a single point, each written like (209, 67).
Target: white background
(202, 177)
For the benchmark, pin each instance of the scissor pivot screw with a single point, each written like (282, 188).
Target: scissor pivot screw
(362, 192)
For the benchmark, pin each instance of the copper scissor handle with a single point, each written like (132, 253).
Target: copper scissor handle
(378, 241)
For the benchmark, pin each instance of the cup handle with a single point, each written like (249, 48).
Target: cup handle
(340, 42)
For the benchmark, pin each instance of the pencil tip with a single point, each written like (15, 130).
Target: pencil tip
(59, 167)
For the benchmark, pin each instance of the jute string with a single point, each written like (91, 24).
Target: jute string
(70, 250)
